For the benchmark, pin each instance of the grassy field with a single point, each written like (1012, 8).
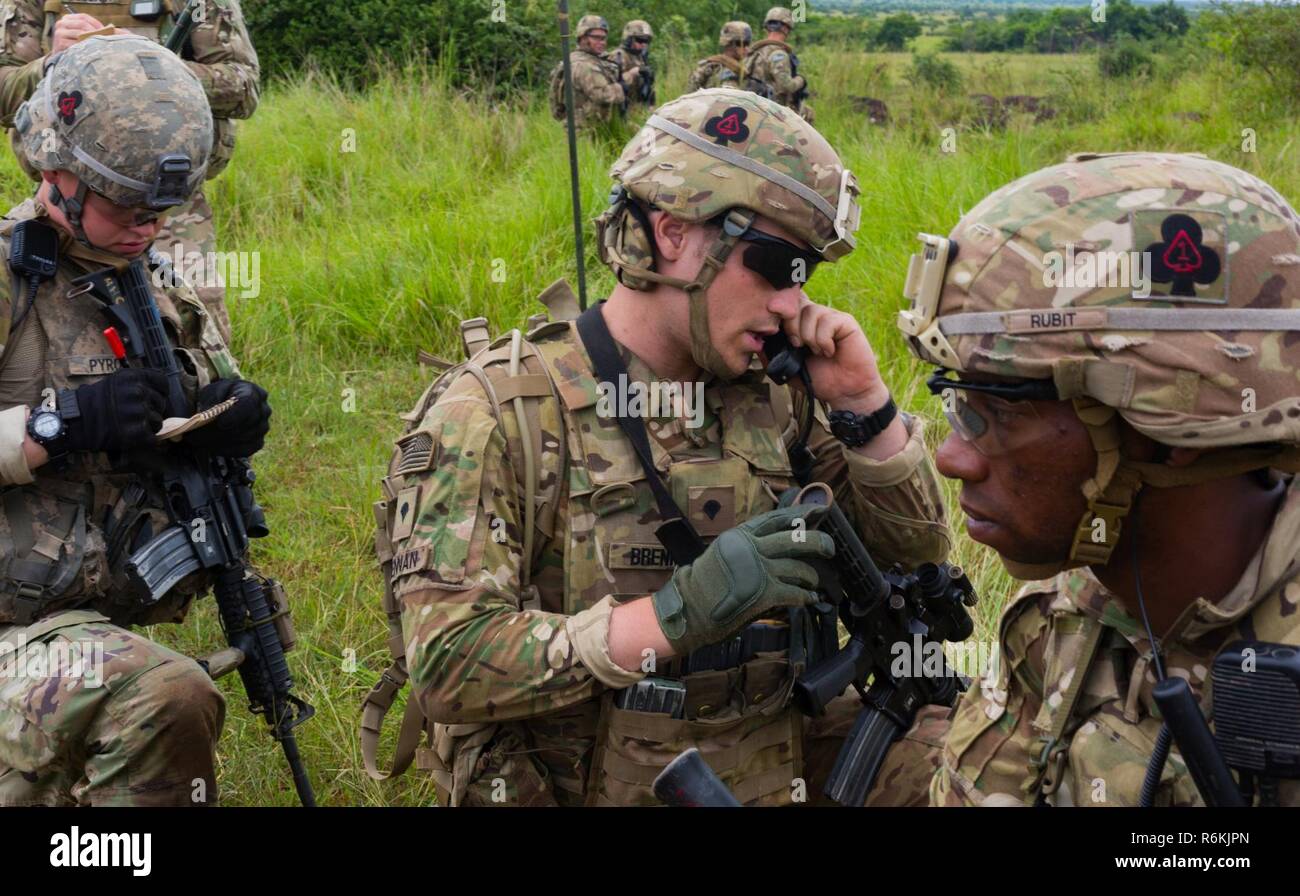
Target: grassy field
(369, 255)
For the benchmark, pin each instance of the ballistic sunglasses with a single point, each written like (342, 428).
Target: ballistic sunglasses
(780, 263)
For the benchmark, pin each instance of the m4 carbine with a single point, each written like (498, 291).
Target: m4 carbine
(890, 617)
(884, 613)
(213, 515)
(646, 85)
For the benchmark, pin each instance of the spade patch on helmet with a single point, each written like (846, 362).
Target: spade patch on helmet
(729, 127)
(1186, 253)
(68, 103)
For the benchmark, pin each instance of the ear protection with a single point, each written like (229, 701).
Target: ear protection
(625, 240)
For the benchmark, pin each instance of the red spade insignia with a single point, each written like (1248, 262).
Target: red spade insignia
(728, 127)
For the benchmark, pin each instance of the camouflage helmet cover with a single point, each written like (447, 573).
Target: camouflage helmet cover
(1210, 358)
(638, 28)
(591, 23)
(735, 33)
(779, 14)
(710, 151)
(87, 97)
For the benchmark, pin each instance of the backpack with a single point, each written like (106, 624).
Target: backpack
(521, 392)
(555, 92)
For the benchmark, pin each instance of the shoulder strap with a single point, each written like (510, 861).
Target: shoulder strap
(726, 62)
(1051, 762)
(676, 533)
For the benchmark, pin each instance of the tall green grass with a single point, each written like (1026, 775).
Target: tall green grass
(368, 256)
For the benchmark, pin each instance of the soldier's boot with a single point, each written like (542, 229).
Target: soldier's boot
(134, 724)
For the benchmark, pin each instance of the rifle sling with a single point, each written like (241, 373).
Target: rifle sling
(675, 533)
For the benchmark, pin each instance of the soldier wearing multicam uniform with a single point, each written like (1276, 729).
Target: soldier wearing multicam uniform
(527, 586)
(634, 53)
(142, 729)
(723, 69)
(772, 69)
(601, 90)
(219, 53)
(1100, 432)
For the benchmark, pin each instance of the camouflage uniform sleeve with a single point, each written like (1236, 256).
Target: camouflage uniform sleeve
(989, 745)
(895, 504)
(473, 652)
(589, 80)
(21, 55)
(783, 75)
(13, 420)
(225, 61)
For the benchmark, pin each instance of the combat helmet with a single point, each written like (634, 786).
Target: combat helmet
(724, 155)
(735, 33)
(126, 116)
(636, 28)
(779, 15)
(591, 23)
(1042, 282)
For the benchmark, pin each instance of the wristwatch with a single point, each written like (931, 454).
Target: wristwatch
(48, 429)
(855, 430)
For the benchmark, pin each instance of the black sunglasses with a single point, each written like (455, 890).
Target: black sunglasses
(780, 263)
(1028, 390)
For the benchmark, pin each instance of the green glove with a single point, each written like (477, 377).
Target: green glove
(746, 572)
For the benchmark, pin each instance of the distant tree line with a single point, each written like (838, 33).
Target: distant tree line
(1068, 29)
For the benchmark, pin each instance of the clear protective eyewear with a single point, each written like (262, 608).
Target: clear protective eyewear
(995, 418)
(126, 216)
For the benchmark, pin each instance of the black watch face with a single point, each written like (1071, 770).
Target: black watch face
(47, 425)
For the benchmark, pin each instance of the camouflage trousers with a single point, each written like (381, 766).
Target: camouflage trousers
(191, 228)
(509, 766)
(94, 714)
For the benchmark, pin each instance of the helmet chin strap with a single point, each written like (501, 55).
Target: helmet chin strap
(703, 351)
(72, 206)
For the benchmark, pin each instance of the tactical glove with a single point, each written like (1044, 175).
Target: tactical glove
(124, 410)
(746, 572)
(239, 431)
